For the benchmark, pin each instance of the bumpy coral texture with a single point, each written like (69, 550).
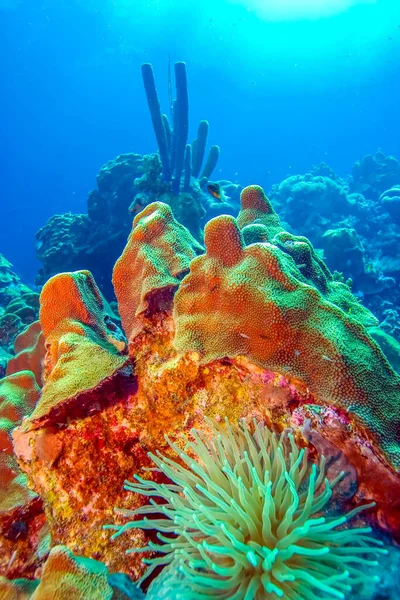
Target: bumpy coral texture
(253, 301)
(18, 395)
(249, 514)
(306, 196)
(83, 346)
(65, 576)
(20, 589)
(19, 306)
(21, 517)
(29, 351)
(157, 255)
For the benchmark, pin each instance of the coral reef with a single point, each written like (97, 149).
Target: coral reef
(301, 194)
(372, 175)
(11, 287)
(71, 242)
(390, 201)
(108, 204)
(254, 327)
(188, 206)
(389, 345)
(233, 319)
(344, 248)
(61, 241)
(352, 223)
(29, 352)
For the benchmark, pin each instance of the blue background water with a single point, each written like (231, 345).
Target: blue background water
(281, 94)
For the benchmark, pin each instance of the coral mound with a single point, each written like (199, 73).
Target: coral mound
(249, 516)
(29, 352)
(157, 255)
(18, 395)
(255, 300)
(255, 326)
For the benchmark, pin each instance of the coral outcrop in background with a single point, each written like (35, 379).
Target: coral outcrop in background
(354, 223)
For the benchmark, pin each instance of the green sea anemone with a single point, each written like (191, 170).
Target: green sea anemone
(245, 518)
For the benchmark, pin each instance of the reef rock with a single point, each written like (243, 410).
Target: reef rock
(343, 250)
(372, 175)
(60, 243)
(126, 185)
(310, 197)
(354, 221)
(390, 201)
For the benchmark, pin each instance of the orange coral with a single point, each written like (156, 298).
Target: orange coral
(29, 352)
(19, 589)
(18, 395)
(157, 255)
(259, 223)
(86, 370)
(251, 301)
(66, 577)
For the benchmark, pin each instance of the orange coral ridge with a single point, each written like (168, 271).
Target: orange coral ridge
(83, 351)
(29, 351)
(157, 255)
(252, 301)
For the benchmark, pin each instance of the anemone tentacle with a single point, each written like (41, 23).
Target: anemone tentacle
(248, 510)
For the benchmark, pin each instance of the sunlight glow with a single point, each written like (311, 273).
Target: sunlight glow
(299, 9)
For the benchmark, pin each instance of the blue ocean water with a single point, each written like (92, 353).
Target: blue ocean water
(283, 89)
